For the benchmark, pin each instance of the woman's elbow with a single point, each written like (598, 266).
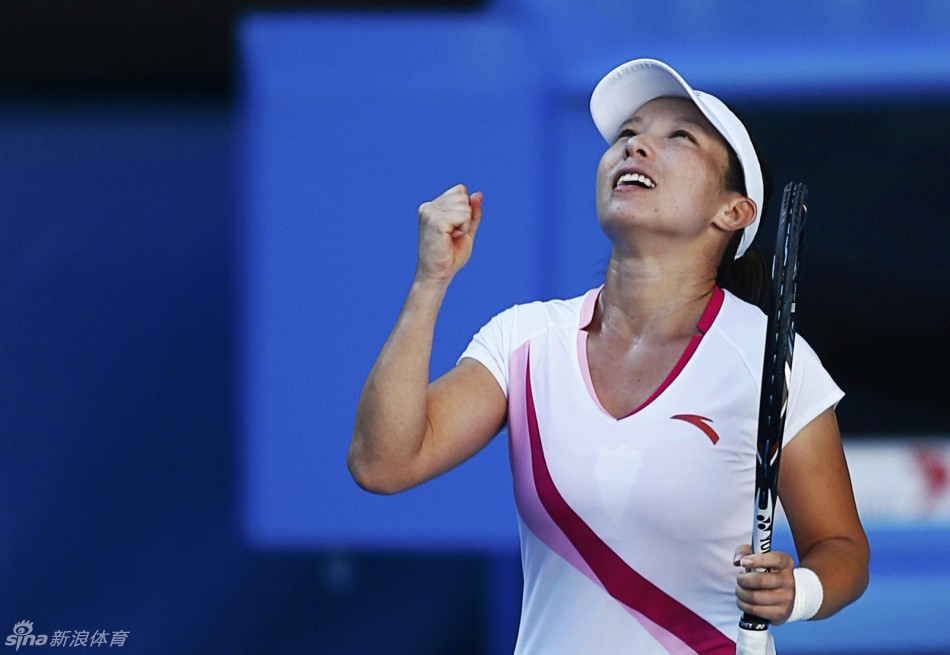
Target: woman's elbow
(370, 478)
(858, 560)
(865, 579)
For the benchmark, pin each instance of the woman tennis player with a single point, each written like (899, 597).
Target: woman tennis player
(632, 409)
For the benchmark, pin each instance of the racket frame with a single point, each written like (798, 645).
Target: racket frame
(776, 374)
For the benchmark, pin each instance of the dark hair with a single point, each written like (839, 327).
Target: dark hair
(745, 277)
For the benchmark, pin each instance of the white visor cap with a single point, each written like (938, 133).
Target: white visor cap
(628, 87)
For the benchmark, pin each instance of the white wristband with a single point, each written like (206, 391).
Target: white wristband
(808, 595)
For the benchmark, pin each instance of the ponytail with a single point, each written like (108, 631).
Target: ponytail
(745, 277)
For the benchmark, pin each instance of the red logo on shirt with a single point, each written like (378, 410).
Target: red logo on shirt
(701, 423)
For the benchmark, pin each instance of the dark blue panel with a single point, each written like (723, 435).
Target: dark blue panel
(348, 125)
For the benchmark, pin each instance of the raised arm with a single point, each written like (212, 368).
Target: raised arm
(407, 430)
(815, 490)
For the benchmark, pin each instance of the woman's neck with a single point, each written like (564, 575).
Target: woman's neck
(653, 298)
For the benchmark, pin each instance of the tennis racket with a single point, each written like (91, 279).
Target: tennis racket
(776, 370)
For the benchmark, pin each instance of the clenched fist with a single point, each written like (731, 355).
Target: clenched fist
(447, 227)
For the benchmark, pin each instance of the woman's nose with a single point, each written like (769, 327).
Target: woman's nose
(636, 144)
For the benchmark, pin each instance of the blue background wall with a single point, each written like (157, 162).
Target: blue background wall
(166, 474)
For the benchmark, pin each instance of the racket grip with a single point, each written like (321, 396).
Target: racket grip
(754, 642)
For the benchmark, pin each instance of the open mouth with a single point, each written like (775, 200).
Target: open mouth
(635, 179)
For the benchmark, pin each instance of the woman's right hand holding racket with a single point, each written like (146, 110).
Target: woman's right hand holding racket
(766, 588)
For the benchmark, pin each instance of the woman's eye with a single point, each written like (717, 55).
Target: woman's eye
(625, 134)
(684, 134)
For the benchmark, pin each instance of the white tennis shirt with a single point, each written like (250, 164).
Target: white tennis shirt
(628, 527)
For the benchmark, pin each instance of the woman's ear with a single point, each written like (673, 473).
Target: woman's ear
(736, 215)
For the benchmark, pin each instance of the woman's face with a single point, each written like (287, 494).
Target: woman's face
(664, 175)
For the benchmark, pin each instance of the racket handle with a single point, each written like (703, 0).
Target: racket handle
(755, 642)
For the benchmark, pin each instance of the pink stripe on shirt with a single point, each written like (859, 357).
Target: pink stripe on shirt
(618, 578)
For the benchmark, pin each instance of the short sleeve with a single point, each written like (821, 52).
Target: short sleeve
(811, 389)
(491, 346)
(503, 334)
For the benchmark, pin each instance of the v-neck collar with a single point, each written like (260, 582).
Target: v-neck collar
(587, 315)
